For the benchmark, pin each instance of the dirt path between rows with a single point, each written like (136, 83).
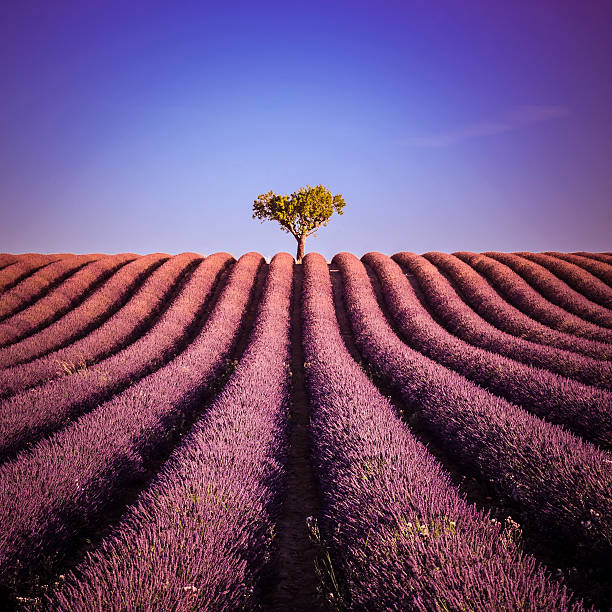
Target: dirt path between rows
(296, 582)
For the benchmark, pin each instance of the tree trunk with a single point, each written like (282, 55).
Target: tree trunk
(300, 248)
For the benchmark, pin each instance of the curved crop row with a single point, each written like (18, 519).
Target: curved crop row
(398, 532)
(26, 417)
(584, 409)
(64, 483)
(27, 264)
(597, 264)
(604, 257)
(114, 334)
(555, 303)
(491, 306)
(6, 259)
(575, 276)
(461, 320)
(560, 483)
(60, 300)
(45, 278)
(88, 315)
(199, 536)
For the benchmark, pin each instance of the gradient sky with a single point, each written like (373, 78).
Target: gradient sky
(152, 126)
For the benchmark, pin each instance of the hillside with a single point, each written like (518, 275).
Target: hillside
(410, 432)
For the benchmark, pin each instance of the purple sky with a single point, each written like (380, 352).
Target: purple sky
(152, 126)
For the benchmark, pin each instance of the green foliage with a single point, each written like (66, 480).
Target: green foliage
(302, 213)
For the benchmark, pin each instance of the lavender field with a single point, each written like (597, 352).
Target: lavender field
(415, 432)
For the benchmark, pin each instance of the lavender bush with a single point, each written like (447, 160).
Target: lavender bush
(94, 310)
(556, 290)
(398, 534)
(571, 269)
(64, 483)
(200, 535)
(116, 332)
(57, 303)
(583, 409)
(36, 285)
(27, 416)
(562, 484)
(6, 259)
(24, 266)
(509, 275)
(602, 272)
(462, 321)
(491, 306)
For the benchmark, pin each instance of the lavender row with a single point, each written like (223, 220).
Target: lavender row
(60, 300)
(542, 296)
(89, 314)
(35, 286)
(399, 535)
(462, 321)
(490, 305)
(26, 265)
(115, 333)
(583, 409)
(561, 483)
(564, 294)
(6, 259)
(604, 257)
(200, 535)
(65, 483)
(25, 417)
(574, 275)
(597, 264)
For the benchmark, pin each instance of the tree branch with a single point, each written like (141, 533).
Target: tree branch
(313, 230)
(290, 228)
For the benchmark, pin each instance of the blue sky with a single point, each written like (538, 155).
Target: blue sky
(150, 126)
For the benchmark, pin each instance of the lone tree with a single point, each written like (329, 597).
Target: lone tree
(301, 214)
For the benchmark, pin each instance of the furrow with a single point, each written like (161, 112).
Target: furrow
(61, 300)
(597, 264)
(604, 257)
(575, 276)
(394, 533)
(562, 484)
(25, 266)
(545, 297)
(118, 331)
(295, 585)
(487, 302)
(6, 259)
(458, 318)
(583, 409)
(89, 314)
(25, 417)
(200, 536)
(60, 490)
(40, 283)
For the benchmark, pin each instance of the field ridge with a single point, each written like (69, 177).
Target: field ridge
(424, 432)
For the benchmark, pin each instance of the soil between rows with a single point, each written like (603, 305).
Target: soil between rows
(296, 582)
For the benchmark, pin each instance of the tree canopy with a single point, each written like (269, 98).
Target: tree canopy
(300, 214)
